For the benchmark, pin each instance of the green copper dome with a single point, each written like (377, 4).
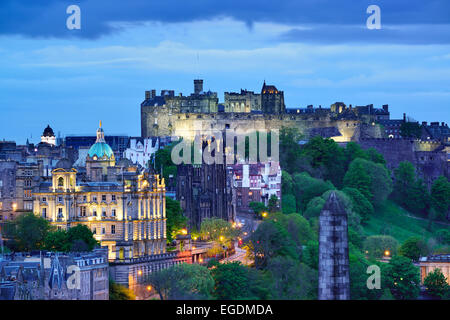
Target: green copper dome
(100, 149)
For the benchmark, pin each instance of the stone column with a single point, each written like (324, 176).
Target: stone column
(334, 278)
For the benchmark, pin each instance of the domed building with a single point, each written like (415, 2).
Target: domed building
(100, 157)
(48, 136)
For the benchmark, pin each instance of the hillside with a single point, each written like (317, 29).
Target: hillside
(392, 220)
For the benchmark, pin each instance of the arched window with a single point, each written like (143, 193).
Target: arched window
(60, 182)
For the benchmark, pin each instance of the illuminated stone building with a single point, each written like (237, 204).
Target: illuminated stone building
(272, 100)
(243, 102)
(170, 115)
(123, 206)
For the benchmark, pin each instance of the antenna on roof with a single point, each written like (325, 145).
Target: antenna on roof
(198, 66)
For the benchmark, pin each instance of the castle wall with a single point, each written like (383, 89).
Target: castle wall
(426, 156)
(166, 121)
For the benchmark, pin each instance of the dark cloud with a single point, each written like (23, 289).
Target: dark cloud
(392, 34)
(47, 18)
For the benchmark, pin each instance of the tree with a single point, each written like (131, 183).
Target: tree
(410, 192)
(163, 161)
(288, 204)
(297, 226)
(119, 292)
(290, 150)
(375, 156)
(291, 279)
(403, 278)
(376, 246)
(307, 188)
(287, 184)
(183, 282)
(81, 233)
(361, 205)
(231, 281)
(358, 277)
(273, 203)
(258, 207)
(175, 219)
(310, 255)
(370, 178)
(29, 231)
(436, 283)
(270, 240)
(413, 248)
(217, 230)
(326, 154)
(314, 208)
(56, 241)
(162, 282)
(440, 195)
(443, 236)
(358, 178)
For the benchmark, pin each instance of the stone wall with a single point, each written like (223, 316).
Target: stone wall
(167, 121)
(427, 156)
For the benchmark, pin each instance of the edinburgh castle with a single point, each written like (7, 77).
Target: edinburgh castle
(168, 114)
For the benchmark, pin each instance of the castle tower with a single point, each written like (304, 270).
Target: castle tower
(198, 86)
(334, 278)
(272, 100)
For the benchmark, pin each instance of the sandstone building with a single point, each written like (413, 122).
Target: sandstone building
(124, 208)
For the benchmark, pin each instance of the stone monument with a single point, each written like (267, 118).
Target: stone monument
(334, 279)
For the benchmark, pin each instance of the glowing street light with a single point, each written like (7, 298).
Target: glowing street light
(264, 214)
(387, 253)
(149, 288)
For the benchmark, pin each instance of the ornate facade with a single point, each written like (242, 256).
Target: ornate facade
(124, 208)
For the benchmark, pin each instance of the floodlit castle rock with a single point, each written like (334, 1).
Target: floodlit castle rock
(171, 115)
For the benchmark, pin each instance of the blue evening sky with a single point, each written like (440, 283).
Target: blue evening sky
(317, 52)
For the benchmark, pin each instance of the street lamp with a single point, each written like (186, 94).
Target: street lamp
(387, 253)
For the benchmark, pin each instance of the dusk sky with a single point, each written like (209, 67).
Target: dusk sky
(317, 52)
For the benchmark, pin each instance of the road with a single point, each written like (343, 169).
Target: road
(239, 255)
